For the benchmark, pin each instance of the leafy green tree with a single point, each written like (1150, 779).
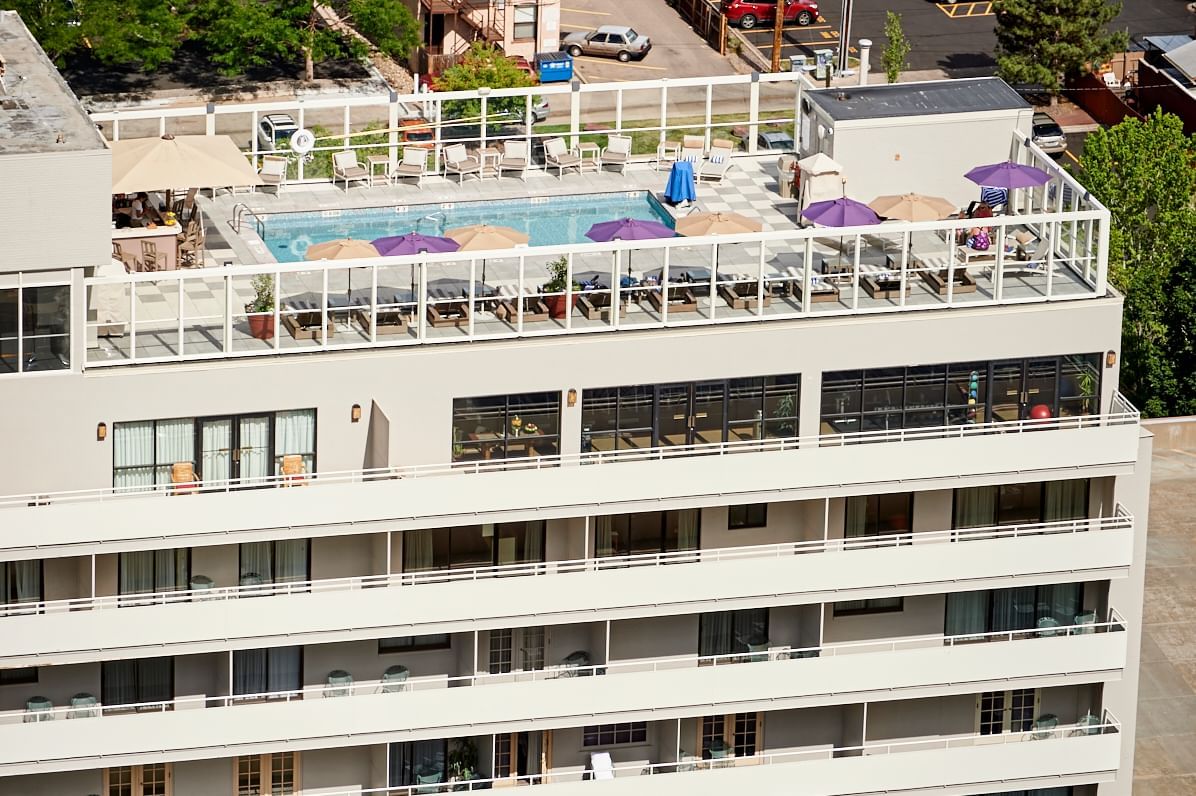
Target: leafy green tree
(1145, 173)
(389, 24)
(1046, 41)
(141, 33)
(483, 65)
(241, 34)
(897, 47)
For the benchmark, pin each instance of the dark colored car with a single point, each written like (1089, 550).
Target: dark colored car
(747, 14)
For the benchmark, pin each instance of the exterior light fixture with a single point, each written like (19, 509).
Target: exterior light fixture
(101, 432)
(571, 397)
(355, 413)
(1110, 359)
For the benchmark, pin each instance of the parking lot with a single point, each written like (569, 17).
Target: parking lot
(676, 50)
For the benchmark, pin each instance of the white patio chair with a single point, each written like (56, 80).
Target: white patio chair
(345, 167)
(617, 152)
(273, 172)
(515, 157)
(458, 161)
(413, 165)
(558, 154)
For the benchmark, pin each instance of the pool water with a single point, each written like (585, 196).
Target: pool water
(546, 220)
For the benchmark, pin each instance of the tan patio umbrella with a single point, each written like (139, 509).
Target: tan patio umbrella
(698, 224)
(194, 161)
(342, 249)
(912, 207)
(479, 237)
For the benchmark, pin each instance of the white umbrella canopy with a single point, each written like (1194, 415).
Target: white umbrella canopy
(194, 161)
(484, 236)
(912, 207)
(698, 224)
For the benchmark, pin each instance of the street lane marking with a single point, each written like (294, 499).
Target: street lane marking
(964, 10)
(583, 11)
(613, 62)
(577, 27)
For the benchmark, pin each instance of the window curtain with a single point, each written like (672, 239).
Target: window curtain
(249, 671)
(217, 443)
(416, 762)
(290, 561)
(172, 570)
(751, 627)
(295, 434)
(137, 572)
(715, 631)
(255, 448)
(283, 669)
(967, 613)
(1060, 602)
(533, 541)
(130, 682)
(257, 558)
(855, 522)
(156, 679)
(118, 682)
(687, 529)
(21, 581)
(976, 507)
(174, 441)
(417, 550)
(1013, 609)
(604, 537)
(133, 454)
(1066, 500)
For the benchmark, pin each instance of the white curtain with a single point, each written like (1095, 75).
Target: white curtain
(417, 551)
(217, 441)
(255, 448)
(1066, 500)
(290, 561)
(21, 581)
(283, 668)
(687, 529)
(249, 671)
(604, 536)
(855, 522)
(976, 507)
(533, 541)
(133, 454)
(295, 433)
(137, 572)
(174, 441)
(257, 558)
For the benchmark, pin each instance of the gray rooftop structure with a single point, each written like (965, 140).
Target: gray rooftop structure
(38, 111)
(850, 103)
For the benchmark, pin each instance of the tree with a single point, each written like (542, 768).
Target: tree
(141, 33)
(897, 47)
(389, 24)
(1046, 41)
(241, 34)
(1145, 173)
(483, 65)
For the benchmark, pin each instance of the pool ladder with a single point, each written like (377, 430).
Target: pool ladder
(433, 217)
(240, 210)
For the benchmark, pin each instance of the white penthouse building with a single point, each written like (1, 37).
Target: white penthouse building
(789, 511)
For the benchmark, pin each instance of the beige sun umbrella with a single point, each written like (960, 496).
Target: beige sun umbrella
(194, 161)
(342, 249)
(698, 224)
(912, 207)
(479, 237)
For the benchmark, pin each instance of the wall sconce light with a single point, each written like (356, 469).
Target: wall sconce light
(571, 397)
(355, 413)
(101, 432)
(1110, 359)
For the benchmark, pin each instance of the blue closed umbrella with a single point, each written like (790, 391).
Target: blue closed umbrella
(680, 187)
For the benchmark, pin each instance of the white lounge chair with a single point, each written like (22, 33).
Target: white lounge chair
(458, 161)
(601, 766)
(693, 149)
(558, 154)
(617, 152)
(718, 160)
(515, 157)
(273, 171)
(345, 167)
(413, 165)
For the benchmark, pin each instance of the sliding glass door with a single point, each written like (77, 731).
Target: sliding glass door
(1019, 608)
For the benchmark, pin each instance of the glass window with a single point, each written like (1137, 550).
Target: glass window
(25, 676)
(967, 393)
(782, 395)
(506, 426)
(133, 682)
(120, 781)
(282, 773)
(249, 776)
(151, 571)
(525, 22)
(269, 670)
(730, 632)
(417, 762)
(878, 515)
(434, 641)
(472, 546)
(1018, 608)
(1021, 504)
(754, 515)
(992, 712)
(880, 605)
(745, 734)
(21, 582)
(35, 329)
(501, 644)
(714, 731)
(647, 532)
(1079, 385)
(611, 734)
(281, 561)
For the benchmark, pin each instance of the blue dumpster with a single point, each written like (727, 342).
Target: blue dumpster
(554, 67)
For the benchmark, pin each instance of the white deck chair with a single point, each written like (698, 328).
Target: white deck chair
(617, 152)
(273, 171)
(601, 765)
(457, 161)
(345, 167)
(515, 157)
(557, 153)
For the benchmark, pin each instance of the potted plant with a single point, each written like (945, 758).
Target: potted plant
(463, 760)
(558, 279)
(261, 309)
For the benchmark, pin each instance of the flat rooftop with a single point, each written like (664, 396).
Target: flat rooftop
(38, 111)
(914, 99)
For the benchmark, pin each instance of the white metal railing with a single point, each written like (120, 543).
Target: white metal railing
(352, 688)
(1122, 413)
(1120, 520)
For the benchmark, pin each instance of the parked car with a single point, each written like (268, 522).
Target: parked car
(618, 41)
(523, 65)
(1048, 135)
(747, 14)
(274, 131)
(776, 140)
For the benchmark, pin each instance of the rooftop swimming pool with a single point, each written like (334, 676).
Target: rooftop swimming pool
(547, 220)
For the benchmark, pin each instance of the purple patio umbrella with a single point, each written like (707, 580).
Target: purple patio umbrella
(629, 229)
(841, 212)
(414, 243)
(1008, 175)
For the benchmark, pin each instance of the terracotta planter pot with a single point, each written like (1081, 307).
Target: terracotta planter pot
(558, 307)
(261, 326)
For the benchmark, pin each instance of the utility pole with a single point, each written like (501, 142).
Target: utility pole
(845, 37)
(778, 24)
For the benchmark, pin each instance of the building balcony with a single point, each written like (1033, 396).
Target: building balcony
(613, 482)
(347, 713)
(564, 592)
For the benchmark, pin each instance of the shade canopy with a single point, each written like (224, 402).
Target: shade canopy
(628, 229)
(480, 237)
(912, 207)
(414, 243)
(1008, 175)
(342, 249)
(191, 161)
(841, 212)
(697, 224)
(818, 163)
